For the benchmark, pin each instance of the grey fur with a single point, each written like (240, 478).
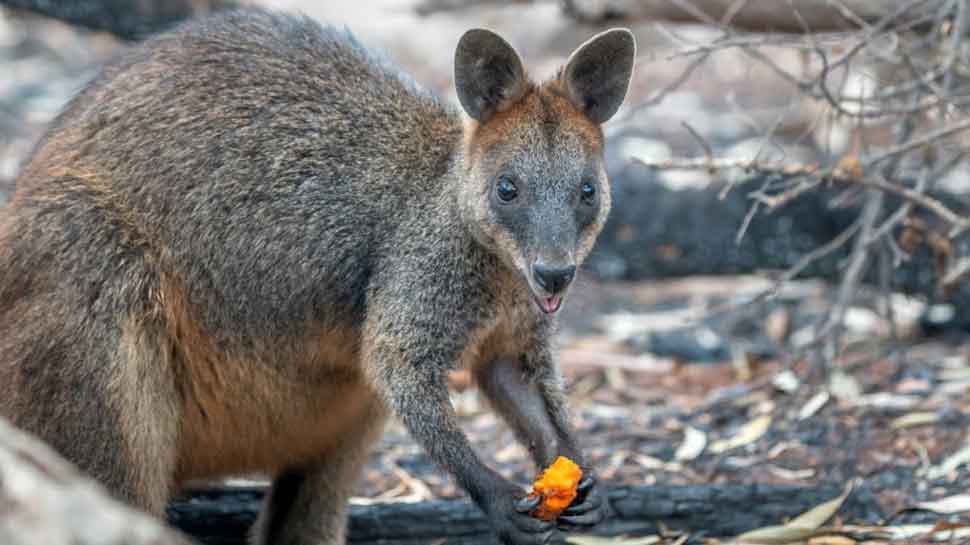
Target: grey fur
(250, 240)
(488, 74)
(598, 73)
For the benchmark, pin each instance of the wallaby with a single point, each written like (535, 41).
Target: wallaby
(251, 240)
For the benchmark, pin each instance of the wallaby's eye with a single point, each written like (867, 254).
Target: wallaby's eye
(505, 189)
(588, 191)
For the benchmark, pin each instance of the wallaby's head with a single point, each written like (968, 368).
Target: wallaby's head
(534, 188)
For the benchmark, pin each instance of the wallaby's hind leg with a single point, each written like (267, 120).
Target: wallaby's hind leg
(96, 394)
(308, 505)
(95, 390)
(84, 371)
(84, 361)
(151, 417)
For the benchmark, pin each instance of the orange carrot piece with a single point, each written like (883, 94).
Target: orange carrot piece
(557, 486)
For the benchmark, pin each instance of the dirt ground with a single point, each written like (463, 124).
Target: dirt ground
(664, 392)
(673, 382)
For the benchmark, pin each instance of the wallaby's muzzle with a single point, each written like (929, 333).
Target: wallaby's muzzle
(553, 280)
(553, 270)
(554, 266)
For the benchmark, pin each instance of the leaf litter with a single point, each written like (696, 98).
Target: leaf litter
(895, 426)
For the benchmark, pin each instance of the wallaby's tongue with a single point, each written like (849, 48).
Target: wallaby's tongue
(550, 305)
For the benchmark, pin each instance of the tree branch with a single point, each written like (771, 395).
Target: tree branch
(753, 15)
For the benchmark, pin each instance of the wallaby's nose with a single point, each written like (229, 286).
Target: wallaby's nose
(553, 279)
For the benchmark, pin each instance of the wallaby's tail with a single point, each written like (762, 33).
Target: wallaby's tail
(123, 18)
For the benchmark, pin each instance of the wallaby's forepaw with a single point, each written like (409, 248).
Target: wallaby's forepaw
(508, 513)
(587, 509)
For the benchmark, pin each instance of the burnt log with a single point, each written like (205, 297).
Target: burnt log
(123, 18)
(759, 15)
(657, 232)
(749, 16)
(223, 516)
(43, 499)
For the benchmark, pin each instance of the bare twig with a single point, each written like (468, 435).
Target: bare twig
(897, 84)
(817, 176)
(920, 141)
(858, 261)
(956, 274)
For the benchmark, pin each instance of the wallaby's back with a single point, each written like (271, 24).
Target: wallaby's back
(195, 236)
(252, 131)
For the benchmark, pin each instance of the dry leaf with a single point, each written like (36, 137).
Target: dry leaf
(952, 462)
(694, 442)
(741, 363)
(778, 324)
(844, 386)
(775, 535)
(832, 540)
(786, 381)
(944, 525)
(798, 529)
(615, 378)
(958, 374)
(655, 464)
(850, 166)
(914, 419)
(596, 540)
(886, 400)
(816, 516)
(814, 405)
(791, 474)
(949, 505)
(747, 434)
(922, 532)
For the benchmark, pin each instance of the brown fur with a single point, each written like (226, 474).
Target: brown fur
(247, 416)
(532, 109)
(150, 420)
(250, 241)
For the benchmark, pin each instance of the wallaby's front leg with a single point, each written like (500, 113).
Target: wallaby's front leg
(407, 364)
(531, 399)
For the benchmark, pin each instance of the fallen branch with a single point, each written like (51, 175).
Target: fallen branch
(752, 15)
(123, 18)
(659, 232)
(956, 274)
(223, 516)
(838, 175)
(43, 499)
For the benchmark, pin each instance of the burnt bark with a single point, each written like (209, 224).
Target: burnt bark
(222, 516)
(43, 499)
(757, 15)
(749, 16)
(657, 232)
(127, 19)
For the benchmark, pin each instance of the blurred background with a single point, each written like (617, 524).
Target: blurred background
(780, 296)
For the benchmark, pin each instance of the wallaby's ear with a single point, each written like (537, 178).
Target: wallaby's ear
(488, 74)
(597, 74)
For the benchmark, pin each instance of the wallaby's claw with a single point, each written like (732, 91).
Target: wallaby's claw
(586, 510)
(528, 503)
(592, 502)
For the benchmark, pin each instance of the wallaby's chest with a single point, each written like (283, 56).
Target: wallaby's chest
(510, 331)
